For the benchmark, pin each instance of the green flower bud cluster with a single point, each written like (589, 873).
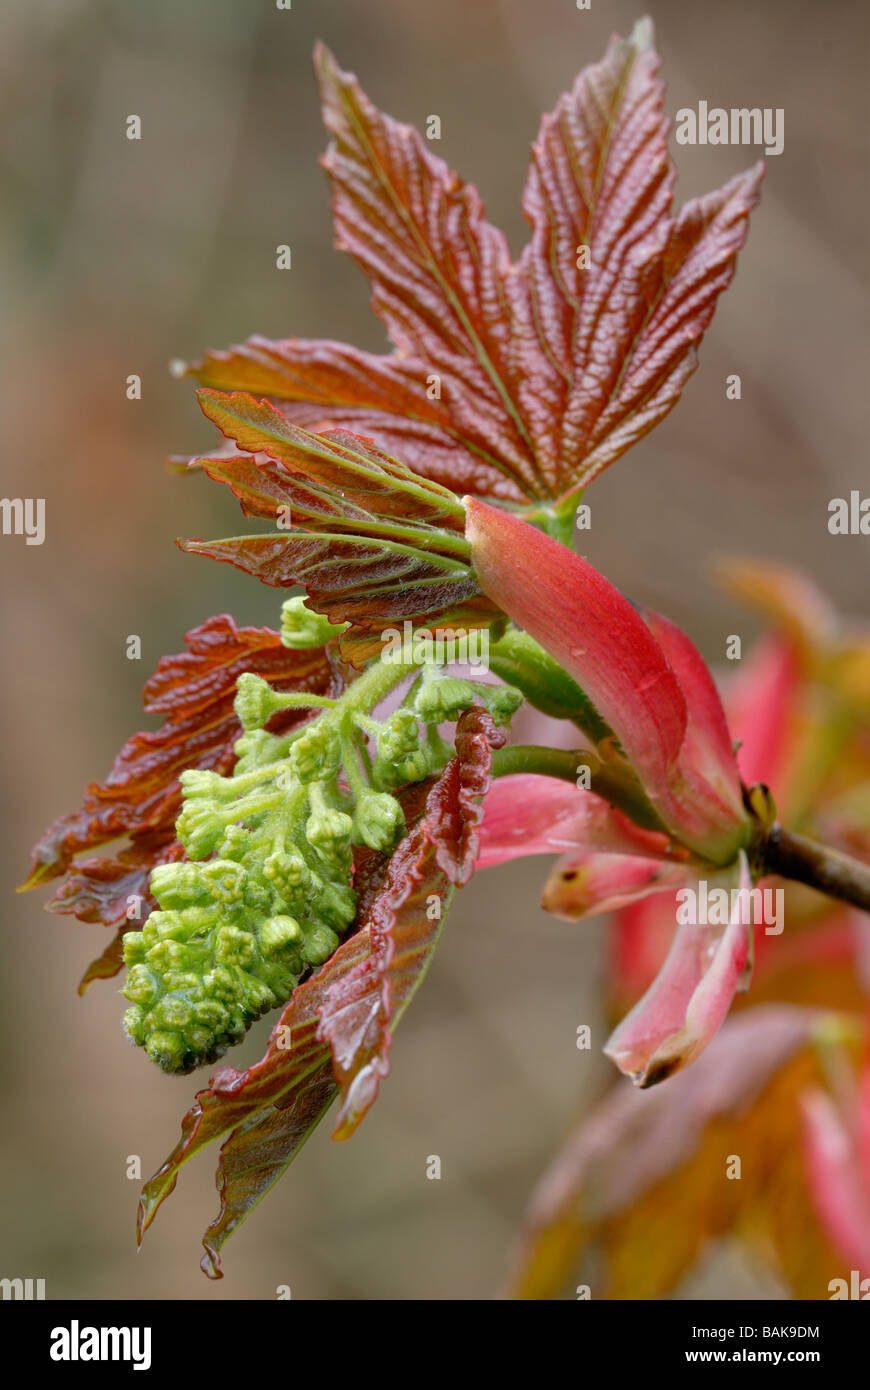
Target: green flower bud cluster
(378, 820)
(266, 890)
(234, 933)
(301, 627)
(442, 699)
(403, 755)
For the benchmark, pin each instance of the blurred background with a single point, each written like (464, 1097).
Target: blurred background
(117, 256)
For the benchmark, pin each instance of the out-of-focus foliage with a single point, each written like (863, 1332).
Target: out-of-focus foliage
(638, 1192)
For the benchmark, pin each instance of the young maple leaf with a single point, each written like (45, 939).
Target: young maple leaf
(520, 380)
(373, 542)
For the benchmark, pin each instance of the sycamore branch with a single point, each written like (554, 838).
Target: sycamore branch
(818, 866)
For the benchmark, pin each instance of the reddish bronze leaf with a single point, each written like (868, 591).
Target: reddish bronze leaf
(441, 274)
(372, 584)
(513, 380)
(377, 543)
(403, 919)
(607, 346)
(357, 480)
(646, 346)
(109, 963)
(334, 1036)
(600, 178)
(325, 386)
(114, 890)
(363, 1004)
